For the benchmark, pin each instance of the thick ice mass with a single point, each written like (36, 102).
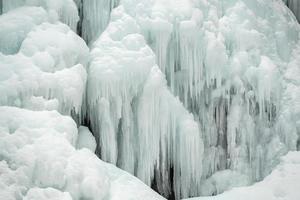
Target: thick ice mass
(225, 60)
(43, 72)
(193, 97)
(143, 128)
(39, 161)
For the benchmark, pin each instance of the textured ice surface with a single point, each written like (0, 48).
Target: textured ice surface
(143, 128)
(39, 161)
(16, 24)
(47, 70)
(192, 96)
(225, 60)
(95, 17)
(282, 183)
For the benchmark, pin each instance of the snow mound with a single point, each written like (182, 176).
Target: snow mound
(39, 161)
(282, 183)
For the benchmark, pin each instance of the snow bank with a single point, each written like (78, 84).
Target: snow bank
(140, 126)
(35, 142)
(282, 183)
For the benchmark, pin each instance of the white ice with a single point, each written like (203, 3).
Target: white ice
(282, 183)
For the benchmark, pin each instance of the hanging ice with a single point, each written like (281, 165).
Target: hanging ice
(95, 17)
(225, 60)
(139, 124)
(35, 142)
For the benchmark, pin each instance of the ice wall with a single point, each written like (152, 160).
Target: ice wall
(140, 126)
(35, 142)
(226, 61)
(43, 75)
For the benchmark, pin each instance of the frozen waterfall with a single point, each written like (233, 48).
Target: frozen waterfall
(225, 60)
(192, 97)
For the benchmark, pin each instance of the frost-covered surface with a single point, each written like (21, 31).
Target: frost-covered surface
(282, 183)
(227, 61)
(139, 124)
(39, 161)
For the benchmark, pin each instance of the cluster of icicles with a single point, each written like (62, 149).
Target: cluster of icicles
(184, 94)
(225, 61)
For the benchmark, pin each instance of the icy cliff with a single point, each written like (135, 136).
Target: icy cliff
(42, 78)
(227, 61)
(193, 97)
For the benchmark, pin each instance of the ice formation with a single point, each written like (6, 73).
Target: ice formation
(95, 17)
(282, 183)
(47, 69)
(227, 61)
(143, 128)
(43, 75)
(39, 161)
(193, 97)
